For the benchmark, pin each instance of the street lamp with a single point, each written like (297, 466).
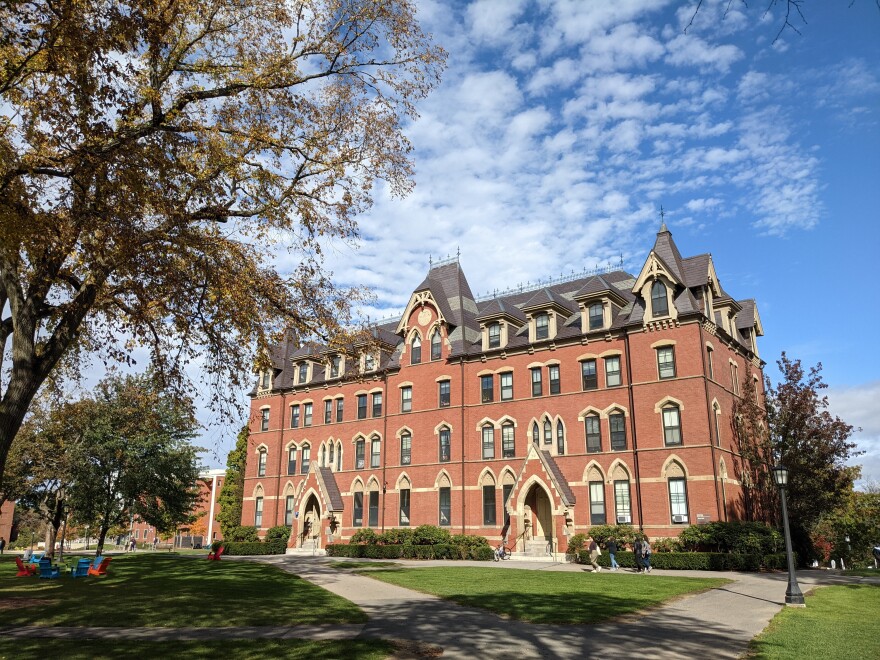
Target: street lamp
(793, 595)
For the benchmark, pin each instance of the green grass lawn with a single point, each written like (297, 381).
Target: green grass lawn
(838, 622)
(156, 589)
(363, 564)
(863, 572)
(257, 649)
(547, 597)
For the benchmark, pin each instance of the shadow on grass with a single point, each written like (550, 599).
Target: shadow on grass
(169, 591)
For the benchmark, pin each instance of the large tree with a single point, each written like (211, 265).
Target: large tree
(232, 493)
(135, 459)
(796, 429)
(155, 154)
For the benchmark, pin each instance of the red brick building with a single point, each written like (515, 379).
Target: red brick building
(529, 416)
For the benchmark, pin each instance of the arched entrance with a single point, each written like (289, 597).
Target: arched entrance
(310, 530)
(537, 505)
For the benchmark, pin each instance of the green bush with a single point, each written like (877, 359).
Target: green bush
(623, 534)
(364, 536)
(396, 536)
(437, 551)
(469, 540)
(239, 548)
(666, 545)
(431, 535)
(243, 533)
(736, 537)
(278, 533)
(576, 543)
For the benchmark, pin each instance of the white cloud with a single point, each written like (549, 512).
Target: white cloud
(857, 405)
(688, 50)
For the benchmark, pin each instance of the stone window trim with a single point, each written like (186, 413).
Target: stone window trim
(300, 364)
(265, 416)
(265, 380)
(660, 303)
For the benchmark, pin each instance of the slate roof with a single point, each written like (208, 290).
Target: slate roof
(450, 289)
(568, 497)
(331, 488)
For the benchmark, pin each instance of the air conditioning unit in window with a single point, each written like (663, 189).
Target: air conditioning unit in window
(624, 520)
(679, 519)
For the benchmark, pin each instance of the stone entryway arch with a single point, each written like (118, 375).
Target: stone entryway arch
(536, 507)
(310, 527)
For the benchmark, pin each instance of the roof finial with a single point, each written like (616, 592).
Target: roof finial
(430, 262)
(458, 253)
(662, 220)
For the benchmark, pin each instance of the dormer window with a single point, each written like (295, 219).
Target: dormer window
(436, 349)
(335, 366)
(542, 325)
(265, 380)
(659, 301)
(597, 316)
(494, 335)
(416, 354)
(303, 373)
(369, 362)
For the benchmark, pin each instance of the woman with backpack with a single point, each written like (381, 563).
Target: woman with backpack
(646, 555)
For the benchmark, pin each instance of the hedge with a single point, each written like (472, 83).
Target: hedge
(238, 548)
(439, 551)
(694, 561)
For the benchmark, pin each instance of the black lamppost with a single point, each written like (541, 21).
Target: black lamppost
(793, 595)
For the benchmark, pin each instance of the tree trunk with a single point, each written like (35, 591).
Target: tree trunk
(101, 536)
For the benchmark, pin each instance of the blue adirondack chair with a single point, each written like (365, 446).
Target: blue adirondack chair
(36, 557)
(47, 570)
(81, 569)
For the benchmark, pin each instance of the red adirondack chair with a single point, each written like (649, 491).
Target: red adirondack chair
(101, 568)
(215, 556)
(25, 570)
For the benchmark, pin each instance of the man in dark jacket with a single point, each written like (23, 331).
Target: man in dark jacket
(637, 551)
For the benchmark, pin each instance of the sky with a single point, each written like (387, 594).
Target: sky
(561, 128)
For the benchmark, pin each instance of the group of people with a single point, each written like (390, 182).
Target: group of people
(641, 549)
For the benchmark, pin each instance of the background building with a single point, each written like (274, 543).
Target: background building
(206, 528)
(529, 416)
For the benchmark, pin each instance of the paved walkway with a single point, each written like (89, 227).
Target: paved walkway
(717, 623)
(723, 620)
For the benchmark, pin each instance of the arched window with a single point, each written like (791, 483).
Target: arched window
(508, 446)
(405, 449)
(305, 459)
(494, 335)
(261, 464)
(659, 302)
(488, 441)
(359, 449)
(291, 460)
(597, 318)
(717, 411)
(617, 426)
(323, 455)
(416, 352)
(594, 438)
(435, 344)
(536, 434)
(444, 445)
(332, 452)
(560, 438)
(671, 425)
(542, 325)
(338, 456)
(375, 451)
(548, 432)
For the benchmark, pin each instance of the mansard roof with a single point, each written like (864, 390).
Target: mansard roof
(498, 308)
(596, 286)
(546, 299)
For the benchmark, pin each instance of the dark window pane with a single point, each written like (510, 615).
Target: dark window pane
(616, 422)
(597, 320)
(444, 445)
(542, 326)
(357, 519)
(404, 507)
(506, 386)
(488, 442)
(487, 391)
(416, 352)
(374, 509)
(362, 406)
(536, 382)
(594, 439)
(377, 404)
(597, 503)
(405, 449)
(436, 346)
(444, 394)
(666, 362)
(659, 302)
(508, 448)
(445, 506)
(612, 371)
(554, 379)
(588, 372)
(359, 452)
(489, 509)
(494, 335)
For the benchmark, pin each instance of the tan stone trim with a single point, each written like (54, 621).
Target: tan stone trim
(261, 447)
(402, 430)
(440, 426)
(552, 363)
(407, 383)
(590, 410)
(504, 370)
(663, 480)
(360, 392)
(507, 419)
(485, 372)
(662, 403)
(440, 379)
(587, 356)
(611, 353)
(663, 342)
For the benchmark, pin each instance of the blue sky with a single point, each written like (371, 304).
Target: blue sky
(560, 128)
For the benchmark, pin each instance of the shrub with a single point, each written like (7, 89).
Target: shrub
(242, 533)
(469, 540)
(623, 534)
(364, 536)
(666, 545)
(736, 537)
(430, 535)
(576, 543)
(239, 548)
(695, 561)
(396, 536)
(278, 533)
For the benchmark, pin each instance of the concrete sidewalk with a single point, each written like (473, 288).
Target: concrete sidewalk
(718, 623)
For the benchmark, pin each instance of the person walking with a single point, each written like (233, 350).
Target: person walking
(637, 553)
(2, 544)
(876, 552)
(593, 547)
(646, 555)
(611, 547)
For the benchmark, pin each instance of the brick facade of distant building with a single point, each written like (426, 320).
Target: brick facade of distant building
(529, 417)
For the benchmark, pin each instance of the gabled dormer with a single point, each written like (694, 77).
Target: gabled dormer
(660, 279)
(334, 364)
(725, 310)
(499, 321)
(599, 302)
(748, 324)
(302, 371)
(545, 313)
